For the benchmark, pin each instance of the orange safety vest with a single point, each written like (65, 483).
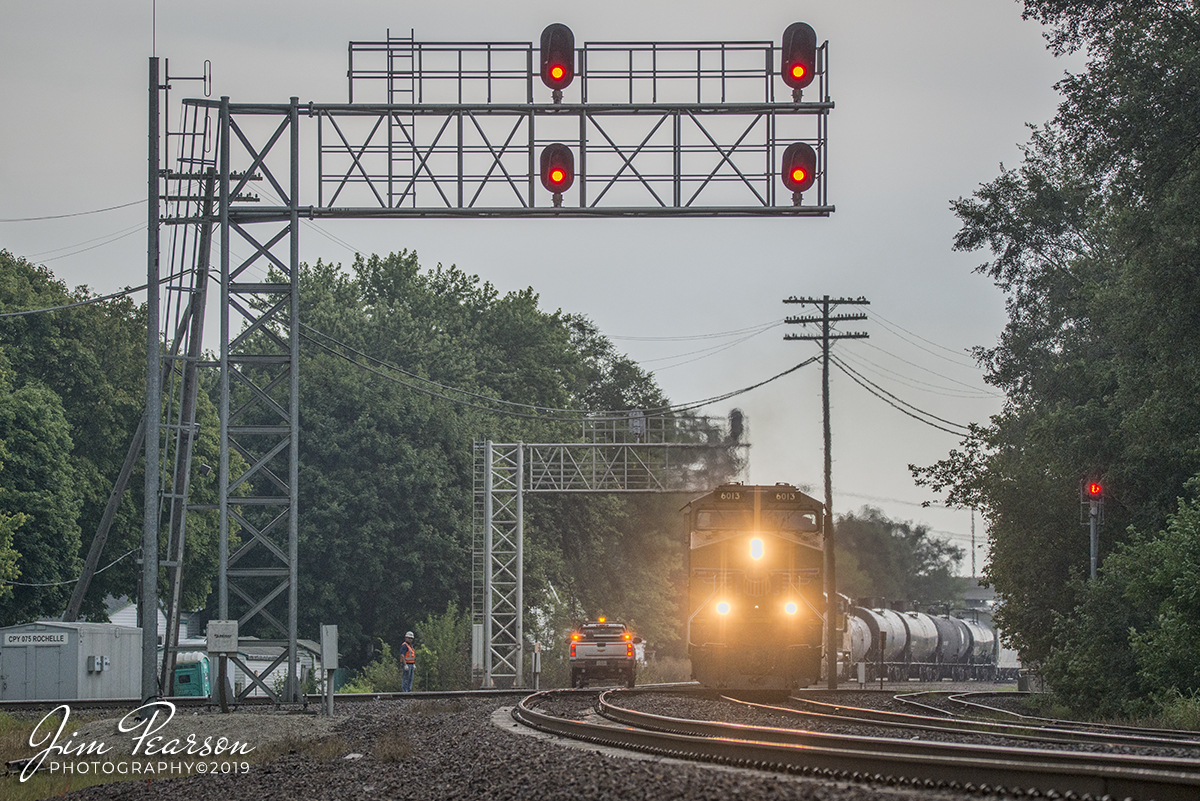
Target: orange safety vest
(408, 653)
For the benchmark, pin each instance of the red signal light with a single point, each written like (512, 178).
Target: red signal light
(557, 57)
(799, 54)
(558, 173)
(799, 167)
(1094, 489)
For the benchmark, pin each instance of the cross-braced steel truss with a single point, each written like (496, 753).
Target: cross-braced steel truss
(614, 454)
(455, 130)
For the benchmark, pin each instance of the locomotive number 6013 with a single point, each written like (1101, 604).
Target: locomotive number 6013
(755, 599)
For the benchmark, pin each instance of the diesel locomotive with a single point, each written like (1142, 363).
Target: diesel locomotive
(756, 601)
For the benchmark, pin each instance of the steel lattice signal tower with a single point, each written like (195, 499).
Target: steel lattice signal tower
(657, 129)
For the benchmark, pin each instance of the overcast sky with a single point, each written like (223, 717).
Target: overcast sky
(930, 96)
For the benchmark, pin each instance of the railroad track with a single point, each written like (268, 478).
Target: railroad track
(966, 767)
(972, 702)
(1046, 730)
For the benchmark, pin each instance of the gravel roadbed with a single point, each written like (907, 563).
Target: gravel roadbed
(424, 749)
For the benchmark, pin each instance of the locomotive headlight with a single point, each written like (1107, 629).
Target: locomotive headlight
(756, 548)
(790, 608)
(723, 608)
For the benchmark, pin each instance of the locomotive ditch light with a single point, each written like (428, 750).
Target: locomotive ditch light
(723, 608)
(756, 548)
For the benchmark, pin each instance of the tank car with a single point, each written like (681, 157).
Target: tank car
(756, 601)
(920, 646)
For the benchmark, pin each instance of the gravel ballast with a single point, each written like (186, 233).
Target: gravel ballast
(450, 749)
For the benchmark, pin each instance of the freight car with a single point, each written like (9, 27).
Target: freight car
(916, 645)
(755, 587)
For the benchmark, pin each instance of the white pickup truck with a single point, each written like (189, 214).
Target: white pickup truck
(602, 649)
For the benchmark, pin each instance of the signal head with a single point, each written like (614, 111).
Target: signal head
(799, 167)
(558, 56)
(558, 168)
(1094, 489)
(798, 67)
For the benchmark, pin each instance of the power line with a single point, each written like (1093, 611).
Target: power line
(90, 301)
(575, 414)
(706, 351)
(754, 328)
(71, 581)
(889, 325)
(114, 238)
(922, 367)
(919, 385)
(894, 402)
(72, 214)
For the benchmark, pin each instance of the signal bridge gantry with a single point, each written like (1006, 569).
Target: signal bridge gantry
(430, 129)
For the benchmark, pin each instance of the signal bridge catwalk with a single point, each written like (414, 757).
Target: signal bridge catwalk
(452, 130)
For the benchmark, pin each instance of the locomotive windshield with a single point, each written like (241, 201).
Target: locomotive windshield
(724, 519)
(790, 520)
(743, 520)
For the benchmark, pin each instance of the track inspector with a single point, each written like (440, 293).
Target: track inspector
(408, 658)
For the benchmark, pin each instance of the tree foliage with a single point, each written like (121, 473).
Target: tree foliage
(883, 558)
(1095, 239)
(38, 491)
(1133, 639)
(73, 396)
(386, 456)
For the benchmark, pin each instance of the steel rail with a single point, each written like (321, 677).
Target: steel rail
(773, 734)
(905, 763)
(1146, 731)
(909, 699)
(1013, 731)
(1066, 732)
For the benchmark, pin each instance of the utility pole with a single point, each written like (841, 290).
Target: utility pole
(826, 305)
(973, 574)
(148, 603)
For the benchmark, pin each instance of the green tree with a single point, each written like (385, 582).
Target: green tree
(38, 490)
(1095, 239)
(884, 558)
(91, 358)
(444, 650)
(386, 464)
(1133, 639)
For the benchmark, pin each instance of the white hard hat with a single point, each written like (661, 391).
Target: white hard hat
(408, 634)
